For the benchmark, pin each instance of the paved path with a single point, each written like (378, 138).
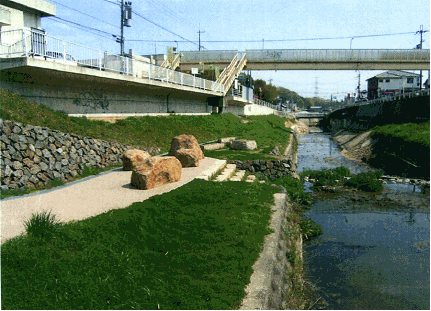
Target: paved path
(89, 197)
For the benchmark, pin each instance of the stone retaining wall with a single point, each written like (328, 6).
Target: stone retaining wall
(33, 155)
(273, 169)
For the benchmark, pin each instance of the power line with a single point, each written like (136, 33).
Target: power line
(79, 27)
(144, 18)
(286, 40)
(82, 26)
(112, 2)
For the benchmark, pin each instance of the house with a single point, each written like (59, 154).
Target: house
(392, 82)
(18, 14)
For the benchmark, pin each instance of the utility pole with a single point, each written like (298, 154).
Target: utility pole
(199, 32)
(359, 86)
(126, 16)
(419, 46)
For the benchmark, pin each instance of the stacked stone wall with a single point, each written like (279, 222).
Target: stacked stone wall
(33, 155)
(273, 169)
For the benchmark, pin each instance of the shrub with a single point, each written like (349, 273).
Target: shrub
(310, 229)
(41, 225)
(295, 189)
(366, 182)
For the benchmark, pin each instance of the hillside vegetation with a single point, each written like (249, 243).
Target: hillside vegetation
(268, 131)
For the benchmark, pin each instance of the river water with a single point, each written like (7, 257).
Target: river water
(374, 252)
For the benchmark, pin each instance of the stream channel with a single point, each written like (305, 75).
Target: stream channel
(374, 252)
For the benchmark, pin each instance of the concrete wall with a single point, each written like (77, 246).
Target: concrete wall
(105, 99)
(269, 283)
(248, 110)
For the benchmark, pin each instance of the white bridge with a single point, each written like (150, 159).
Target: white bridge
(312, 59)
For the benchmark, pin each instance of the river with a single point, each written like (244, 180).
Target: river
(374, 252)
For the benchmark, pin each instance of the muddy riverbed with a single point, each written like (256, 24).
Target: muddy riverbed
(374, 252)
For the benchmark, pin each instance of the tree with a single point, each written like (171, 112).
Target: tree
(269, 92)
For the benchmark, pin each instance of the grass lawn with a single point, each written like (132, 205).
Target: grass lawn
(191, 248)
(409, 132)
(268, 131)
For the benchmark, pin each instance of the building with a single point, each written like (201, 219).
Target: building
(18, 14)
(392, 82)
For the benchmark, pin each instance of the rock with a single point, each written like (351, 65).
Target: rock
(133, 158)
(185, 142)
(275, 151)
(226, 140)
(188, 157)
(242, 144)
(156, 172)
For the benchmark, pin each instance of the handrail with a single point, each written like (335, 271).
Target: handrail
(310, 55)
(30, 43)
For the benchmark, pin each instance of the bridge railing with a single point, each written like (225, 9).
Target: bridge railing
(331, 55)
(300, 55)
(208, 56)
(29, 43)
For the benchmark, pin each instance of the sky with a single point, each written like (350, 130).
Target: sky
(252, 24)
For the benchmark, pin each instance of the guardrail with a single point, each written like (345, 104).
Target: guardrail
(395, 97)
(307, 55)
(30, 43)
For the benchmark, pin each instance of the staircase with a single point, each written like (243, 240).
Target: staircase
(174, 65)
(230, 73)
(230, 173)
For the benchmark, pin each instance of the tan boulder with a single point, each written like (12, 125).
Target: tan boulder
(185, 142)
(188, 157)
(133, 158)
(156, 172)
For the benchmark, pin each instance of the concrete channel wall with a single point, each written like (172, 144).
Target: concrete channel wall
(269, 283)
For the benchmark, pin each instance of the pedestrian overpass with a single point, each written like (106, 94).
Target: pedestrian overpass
(311, 59)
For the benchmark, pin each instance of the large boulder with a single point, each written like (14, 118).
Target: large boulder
(242, 144)
(156, 172)
(188, 157)
(133, 158)
(185, 142)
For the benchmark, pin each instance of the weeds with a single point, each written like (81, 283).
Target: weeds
(41, 225)
(341, 177)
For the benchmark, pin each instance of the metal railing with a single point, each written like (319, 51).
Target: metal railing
(310, 55)
(30, 43)
(423, 92)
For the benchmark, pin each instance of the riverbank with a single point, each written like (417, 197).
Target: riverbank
(398, 150)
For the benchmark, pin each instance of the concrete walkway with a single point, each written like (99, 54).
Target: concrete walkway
(89, 197)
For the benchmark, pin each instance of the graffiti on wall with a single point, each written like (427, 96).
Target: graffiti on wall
(95, 100)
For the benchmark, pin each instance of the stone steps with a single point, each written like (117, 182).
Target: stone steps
(226, 173)
(232, 174)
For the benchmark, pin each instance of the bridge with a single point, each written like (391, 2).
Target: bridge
(29, 57)
(312, 59)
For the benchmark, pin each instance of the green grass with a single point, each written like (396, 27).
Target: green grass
(342, 177)
(295, 189)
(409, 132)
(241, 155)
(191, 248)
(268, 131)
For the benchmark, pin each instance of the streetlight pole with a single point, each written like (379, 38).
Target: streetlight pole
(351, 42)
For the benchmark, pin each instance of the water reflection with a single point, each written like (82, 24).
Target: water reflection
(370, 256)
